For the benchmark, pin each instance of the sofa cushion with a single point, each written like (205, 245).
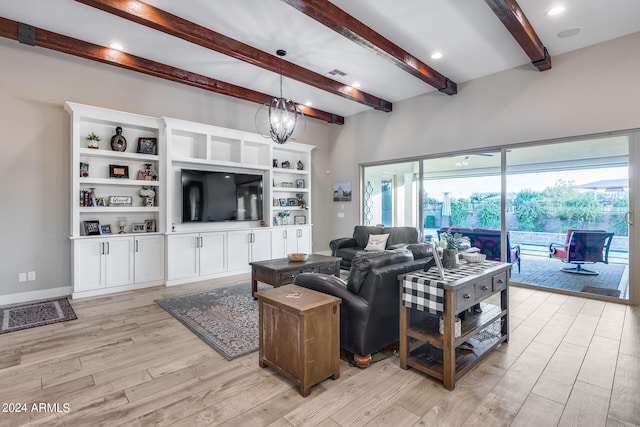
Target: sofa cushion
(364, 262)
(401, 235)
(420, 250)
(361, 233)
(377, 242)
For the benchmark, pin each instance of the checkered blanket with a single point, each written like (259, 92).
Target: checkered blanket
(426, 290)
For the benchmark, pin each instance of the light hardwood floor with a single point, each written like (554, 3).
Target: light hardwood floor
(570, 362)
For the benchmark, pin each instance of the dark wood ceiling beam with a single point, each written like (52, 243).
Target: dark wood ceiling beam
(58, 42)
(338, 20)
(509, 12)
(165, 22)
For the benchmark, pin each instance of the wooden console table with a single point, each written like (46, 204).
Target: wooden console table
(281, 271)
(444, 356)
(300, 337)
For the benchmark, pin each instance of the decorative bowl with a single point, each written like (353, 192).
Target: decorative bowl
(474, 257)
(298, 257)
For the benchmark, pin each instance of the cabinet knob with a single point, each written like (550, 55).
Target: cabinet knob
(466, 296)
(291, 276)
(500, 281)
(484, 287)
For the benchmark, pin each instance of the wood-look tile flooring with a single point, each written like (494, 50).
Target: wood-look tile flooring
(570, 362)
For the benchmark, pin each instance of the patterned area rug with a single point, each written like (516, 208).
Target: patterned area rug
(225, 318)
(24, 316)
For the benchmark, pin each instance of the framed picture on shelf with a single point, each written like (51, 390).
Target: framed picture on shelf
(84, 169)
(120, 200)
(300, 183)
(118, 171)
(137, 227)
(99, 201)
(91, 228)
(105, 229)
(282, 202)
(274, 221)
(292, 201)
(148, 145)
(150, 225)
(299, 219)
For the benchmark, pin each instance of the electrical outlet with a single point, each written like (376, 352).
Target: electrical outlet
(340, 214)
(31, 275)
(22, 277)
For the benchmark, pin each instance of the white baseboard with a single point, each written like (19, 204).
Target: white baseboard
(35, 295)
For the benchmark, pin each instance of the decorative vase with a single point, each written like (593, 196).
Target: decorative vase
(450, 258)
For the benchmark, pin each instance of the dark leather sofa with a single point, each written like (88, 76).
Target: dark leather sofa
(370, 309)
(347, 248)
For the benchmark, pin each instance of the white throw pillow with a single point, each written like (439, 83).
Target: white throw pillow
(377, 242)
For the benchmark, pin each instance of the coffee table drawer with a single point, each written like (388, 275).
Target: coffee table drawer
(500, 281)
(465, 298)
(287, 277)
(483, 289)
(326, 269)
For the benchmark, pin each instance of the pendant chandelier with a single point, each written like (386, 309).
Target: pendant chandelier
(280, 116)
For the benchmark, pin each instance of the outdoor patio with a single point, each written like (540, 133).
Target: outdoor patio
(612, 280)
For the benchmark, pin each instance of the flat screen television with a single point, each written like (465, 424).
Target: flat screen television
(209, 196)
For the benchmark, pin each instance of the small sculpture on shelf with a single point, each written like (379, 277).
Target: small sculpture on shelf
(300, 165)
(285, 165)
(118, 141)
(93, 141)
(301, 202)
(275, 163)
(122, 223)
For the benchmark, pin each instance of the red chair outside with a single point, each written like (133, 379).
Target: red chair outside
(582, 247)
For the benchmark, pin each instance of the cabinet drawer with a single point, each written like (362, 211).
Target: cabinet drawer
(287, 277)
(465, 298)
(499, 281)
(327, 269)
(483, 289)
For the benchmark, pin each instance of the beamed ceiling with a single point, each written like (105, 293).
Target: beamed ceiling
(229, 47)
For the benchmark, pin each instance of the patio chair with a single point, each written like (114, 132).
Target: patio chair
(582, 247)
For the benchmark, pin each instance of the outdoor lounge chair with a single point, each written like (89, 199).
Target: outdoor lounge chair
(582, 247)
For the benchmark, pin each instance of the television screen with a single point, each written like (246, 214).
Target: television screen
(220, 196)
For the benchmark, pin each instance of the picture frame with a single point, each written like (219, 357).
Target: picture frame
(342, 191)
(147, 145)
(299, 219)
(84, 170)
(105, 229)
(282, 202)
(138, 227)
(118, 171)
(436, 258)
(147, 175)
(150, 225)
(274, 221)
(99, 201)
(300, 183)
(91, 227)
(292, 201)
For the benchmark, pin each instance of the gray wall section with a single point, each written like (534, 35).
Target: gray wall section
(591, 90)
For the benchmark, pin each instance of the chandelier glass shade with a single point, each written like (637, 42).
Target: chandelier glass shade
(280, 117)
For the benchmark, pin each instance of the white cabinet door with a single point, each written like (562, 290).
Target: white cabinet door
(183, 256)
(212, 253)
(149, 258)
(118, 261)
(303, 239)
(238, 250)
(278, 242)
(88, 265)
(260, 245)
(292, 241)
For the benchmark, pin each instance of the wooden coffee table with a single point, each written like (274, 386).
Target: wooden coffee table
(281, 271)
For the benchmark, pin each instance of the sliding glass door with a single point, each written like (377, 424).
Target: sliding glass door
(568, 210)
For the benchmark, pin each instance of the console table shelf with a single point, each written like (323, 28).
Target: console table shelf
(445, 356)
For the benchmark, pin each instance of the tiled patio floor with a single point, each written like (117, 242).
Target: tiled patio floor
(547, 272)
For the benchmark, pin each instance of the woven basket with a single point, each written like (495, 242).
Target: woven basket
(476, 257)
(298, 257)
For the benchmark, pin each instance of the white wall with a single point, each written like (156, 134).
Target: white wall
(34, 165)
(592, 90)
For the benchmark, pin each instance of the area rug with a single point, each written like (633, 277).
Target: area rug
(224, 318)
(25, 316)
(601, 291)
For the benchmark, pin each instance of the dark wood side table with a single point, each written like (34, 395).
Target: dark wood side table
(300, 337)
(462, 288)
(281, 271)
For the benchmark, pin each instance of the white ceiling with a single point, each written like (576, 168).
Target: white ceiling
(472, 39)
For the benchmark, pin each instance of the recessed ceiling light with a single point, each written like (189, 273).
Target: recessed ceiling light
(555, 11)
(356, 85)
(116, 46)
(308, 103)
(569, 32)
(436, 55)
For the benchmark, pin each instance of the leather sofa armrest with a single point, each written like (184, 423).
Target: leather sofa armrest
(330, 285)
(344, 242)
